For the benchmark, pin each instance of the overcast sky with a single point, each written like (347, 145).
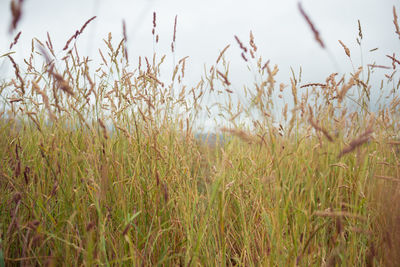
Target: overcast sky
(205, 27)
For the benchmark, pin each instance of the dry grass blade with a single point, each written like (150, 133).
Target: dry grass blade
(313, 29)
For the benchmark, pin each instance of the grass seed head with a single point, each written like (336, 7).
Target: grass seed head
(16, 12)
(363, 138)
(15, 39)
(241, 44)
(395, 22)
(346, 49)
(311, 24)
(77, 33)
(222, 53)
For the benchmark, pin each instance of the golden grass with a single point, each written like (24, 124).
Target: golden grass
(102, 166)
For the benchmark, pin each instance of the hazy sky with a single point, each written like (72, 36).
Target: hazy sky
(205, 27)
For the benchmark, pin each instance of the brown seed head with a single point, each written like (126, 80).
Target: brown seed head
(320, 128)
(103, 126)
(225, 79)
(359, 30)
(252, 43)
(176, 21)
(77, 33)
(396, 25)
(125, 40)
(363, 138)
(241, 44)
(313, 29)
(90, 226)
(346, 49)
(126, 229)
(17, 73)
(241, 134)
(16, 12)
(222, 53)
(394, 60)
(15, 40)
(244, 57)
(313, 84)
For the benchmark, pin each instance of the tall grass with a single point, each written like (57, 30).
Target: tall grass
(101, 166)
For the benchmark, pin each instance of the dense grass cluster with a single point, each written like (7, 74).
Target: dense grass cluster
(101, 165)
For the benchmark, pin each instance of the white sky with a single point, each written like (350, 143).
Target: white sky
(205, 27)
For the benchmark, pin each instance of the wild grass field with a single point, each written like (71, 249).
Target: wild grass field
(102, 165)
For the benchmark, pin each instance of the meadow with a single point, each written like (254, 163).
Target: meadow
(103, 165)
